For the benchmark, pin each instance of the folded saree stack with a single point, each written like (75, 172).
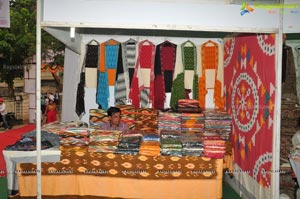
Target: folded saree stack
(169, 121)
(104, 141)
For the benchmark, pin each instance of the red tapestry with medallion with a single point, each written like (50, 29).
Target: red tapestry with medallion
(249, 76)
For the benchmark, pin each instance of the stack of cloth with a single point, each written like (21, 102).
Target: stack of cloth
(213, 135)
(97, 118)
(191, 144)
(57, 127)
(192, 122)
(128, 115)
(170, 143)
(169, 121)
(146, 120)
(218, 120)
(150, 145)
(104, 141)
(130, 142)
(188, 106)
(214, 148)
(74, 137)
(150, 148)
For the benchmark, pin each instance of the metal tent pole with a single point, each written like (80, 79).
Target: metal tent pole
(38, 98)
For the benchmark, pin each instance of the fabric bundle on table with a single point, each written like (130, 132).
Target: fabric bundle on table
(171, 146)
(150, 148)
(214, 148)
(218, 120)
(151, 137)
(57, 127)
(129, 145)
(191, 145)
(128, 115)
(146, 119)
(192, 122)
(169, 121)
(104, 141)
(170, 143)
(75, 137)
(97, 118)
(188, 106)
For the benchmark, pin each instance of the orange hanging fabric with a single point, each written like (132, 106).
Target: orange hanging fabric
(210, 59)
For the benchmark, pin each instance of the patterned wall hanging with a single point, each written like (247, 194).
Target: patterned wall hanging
(249, 77)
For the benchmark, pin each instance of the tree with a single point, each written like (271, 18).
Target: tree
(18, 43)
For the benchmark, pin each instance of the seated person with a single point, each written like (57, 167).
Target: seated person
(114, 123)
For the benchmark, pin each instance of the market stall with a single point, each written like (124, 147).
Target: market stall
(262, 85)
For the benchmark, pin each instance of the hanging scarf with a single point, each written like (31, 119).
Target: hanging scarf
(107, 71)
(129, 61)
(144, 71)
(165, 57)
(209, 54)
(120, 80)
(189, 59)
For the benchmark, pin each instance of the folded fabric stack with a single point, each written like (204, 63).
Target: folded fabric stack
(213, 135)
(214, 148)
(74, 137)
(97, 118)
(104, 141)
(169, 121)
(129, 145)
(57, 127)
(133, 133)
(218, 121)
(146, 120)
(150, 148)
(151, 137)
(170, 143)
(128, 115)
(193, 122)
(188, 106)
(171, 146)
(191, 144)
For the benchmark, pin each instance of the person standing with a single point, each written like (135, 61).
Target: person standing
(51, 110)
(3, 113)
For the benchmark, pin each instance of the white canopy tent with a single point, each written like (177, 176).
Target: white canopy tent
(73, 21)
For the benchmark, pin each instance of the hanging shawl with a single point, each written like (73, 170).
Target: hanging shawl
(209, 54)
(129, 61)
(102, 93)
(107, 74)
(80, 106)
(189, 59)
(90, 60)
(165, 57)
(142, 84)
(120, 88)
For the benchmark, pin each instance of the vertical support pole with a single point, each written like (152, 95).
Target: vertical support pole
(38, 99)
(276, 129)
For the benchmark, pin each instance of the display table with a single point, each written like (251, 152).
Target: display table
(14, 157)
(126, 176)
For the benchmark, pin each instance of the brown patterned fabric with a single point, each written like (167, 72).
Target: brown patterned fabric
(128, 115)
(97, 118)
(128, 166)
(146, 119)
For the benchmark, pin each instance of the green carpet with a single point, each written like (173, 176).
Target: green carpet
(229, 193)
(3, 188)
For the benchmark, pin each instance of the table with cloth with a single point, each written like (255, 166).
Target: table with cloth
(87, 174)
